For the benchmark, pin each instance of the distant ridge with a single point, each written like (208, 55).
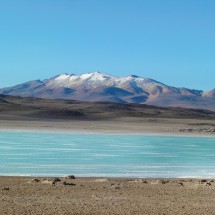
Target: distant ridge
(98, 86)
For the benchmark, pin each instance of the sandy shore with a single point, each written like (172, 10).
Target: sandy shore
(25, 196)
(169, 127)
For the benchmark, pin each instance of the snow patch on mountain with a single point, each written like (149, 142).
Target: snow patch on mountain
(95, 80)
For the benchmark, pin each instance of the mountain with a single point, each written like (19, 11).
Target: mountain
(210, 93)
(98, 86)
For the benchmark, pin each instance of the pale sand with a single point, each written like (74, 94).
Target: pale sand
(20, 196)
(124, 125)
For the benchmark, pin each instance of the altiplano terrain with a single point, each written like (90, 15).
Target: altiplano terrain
(74, 116)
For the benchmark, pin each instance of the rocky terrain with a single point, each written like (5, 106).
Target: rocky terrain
(63, 196)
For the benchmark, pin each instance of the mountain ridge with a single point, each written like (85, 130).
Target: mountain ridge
(99, 86)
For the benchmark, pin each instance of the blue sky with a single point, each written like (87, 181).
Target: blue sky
(170, 41)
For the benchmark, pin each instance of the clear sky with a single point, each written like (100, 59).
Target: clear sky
(172, 41)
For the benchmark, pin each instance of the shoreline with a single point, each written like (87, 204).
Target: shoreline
(107, 132)
(119, 126)
(104, 177)
(166, 134)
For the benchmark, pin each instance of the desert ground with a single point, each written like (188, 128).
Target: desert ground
(31, 196)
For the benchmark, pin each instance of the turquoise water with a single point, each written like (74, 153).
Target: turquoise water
(58, 154)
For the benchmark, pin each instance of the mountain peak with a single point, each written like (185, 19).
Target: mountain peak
(62, 75)
(96, 73)
(134, 76)
(95, 76)
(98, 86)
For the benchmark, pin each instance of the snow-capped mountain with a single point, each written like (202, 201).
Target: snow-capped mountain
(102, 87)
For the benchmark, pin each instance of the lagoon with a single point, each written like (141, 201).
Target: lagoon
(106, 155)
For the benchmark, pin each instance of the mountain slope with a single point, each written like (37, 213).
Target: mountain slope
(210, 93)
(102, 87)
